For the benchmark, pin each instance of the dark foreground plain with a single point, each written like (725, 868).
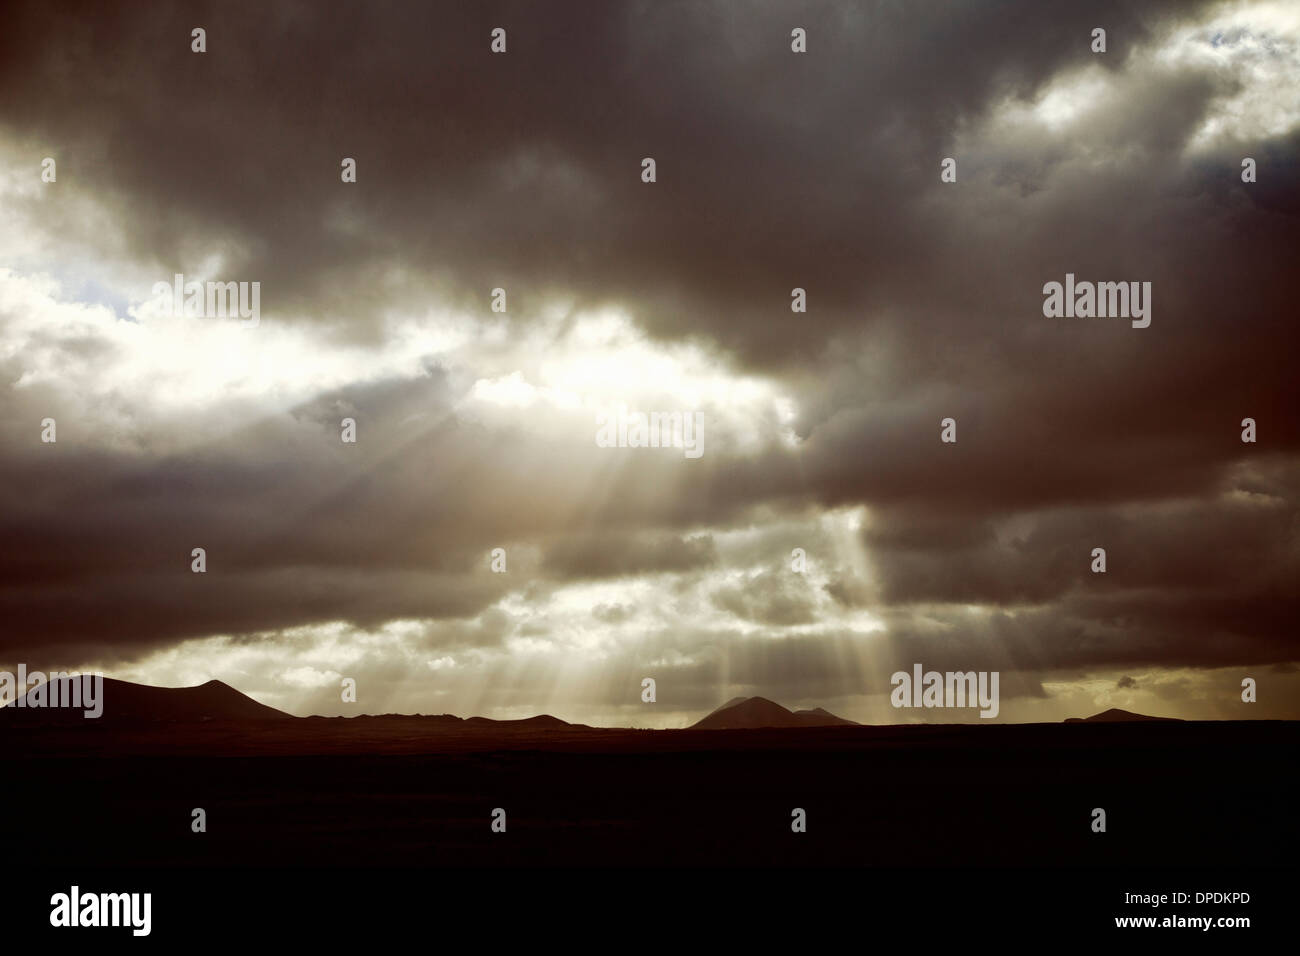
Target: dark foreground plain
(420, 791)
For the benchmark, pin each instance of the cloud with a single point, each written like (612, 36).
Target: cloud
(821, 429)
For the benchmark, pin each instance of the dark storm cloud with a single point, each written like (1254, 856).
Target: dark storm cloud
(775, 171)
(1235, 544)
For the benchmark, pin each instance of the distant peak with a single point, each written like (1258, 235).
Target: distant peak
(129, 701)
(743, 713)
(1114, 715)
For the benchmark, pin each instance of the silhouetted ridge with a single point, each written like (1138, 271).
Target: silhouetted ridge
(745, 713)
(540, 722)
(1114, 715)
(142, 703)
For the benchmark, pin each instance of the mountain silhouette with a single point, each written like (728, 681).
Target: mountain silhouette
(742, 713)
(540, 722)
(1114, 715)
(142, 703)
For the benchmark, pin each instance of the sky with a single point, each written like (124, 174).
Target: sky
(820, 430)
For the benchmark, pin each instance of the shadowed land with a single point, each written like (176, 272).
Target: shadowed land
(409, 790)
